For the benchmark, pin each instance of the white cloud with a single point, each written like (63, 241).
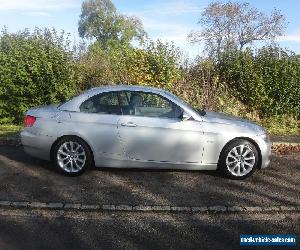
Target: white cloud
(38, 5)
(170, 31)
(175, 32)
(180, 7)
(170, 21)
(37, 13)
(172, 8)
(294, 37)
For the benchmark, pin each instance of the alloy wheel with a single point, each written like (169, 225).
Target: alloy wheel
(240, 160)
(71, 156)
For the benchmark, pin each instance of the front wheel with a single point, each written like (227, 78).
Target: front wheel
(72, 156)
(238, 159)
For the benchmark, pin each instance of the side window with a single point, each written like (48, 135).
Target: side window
(104, 103)
(124, 98)
(148, 104)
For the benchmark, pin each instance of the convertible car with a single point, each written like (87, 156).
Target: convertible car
(142, 127)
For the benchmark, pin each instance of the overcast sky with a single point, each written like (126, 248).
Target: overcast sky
(169, 20)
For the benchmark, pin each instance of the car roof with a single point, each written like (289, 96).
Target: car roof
(74, 103)
(124, 87)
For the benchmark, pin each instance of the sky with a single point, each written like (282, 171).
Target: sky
(168, 20)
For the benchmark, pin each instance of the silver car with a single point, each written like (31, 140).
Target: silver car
(142, 127)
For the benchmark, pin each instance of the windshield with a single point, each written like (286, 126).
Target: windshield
(199, 111)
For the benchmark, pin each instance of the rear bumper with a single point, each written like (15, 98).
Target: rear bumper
(37, 145)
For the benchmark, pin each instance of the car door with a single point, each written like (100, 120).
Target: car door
(97, 122)
(151, 130)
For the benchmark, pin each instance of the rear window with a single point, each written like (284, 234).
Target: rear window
(104, 103)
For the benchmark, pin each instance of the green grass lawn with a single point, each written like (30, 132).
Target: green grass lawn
(7, 130)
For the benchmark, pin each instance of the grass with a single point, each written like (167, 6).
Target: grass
(8, 130)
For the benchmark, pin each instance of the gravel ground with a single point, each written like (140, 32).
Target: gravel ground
(23, 178)
(55, 230)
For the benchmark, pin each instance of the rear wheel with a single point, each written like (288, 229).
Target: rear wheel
(239, 159)
(72, 156)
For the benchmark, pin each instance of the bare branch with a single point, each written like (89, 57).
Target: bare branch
(234, 25)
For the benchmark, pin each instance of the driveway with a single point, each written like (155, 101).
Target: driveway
(23, 178)
(22, 229)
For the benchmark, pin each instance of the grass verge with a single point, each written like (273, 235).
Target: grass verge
(8, 130)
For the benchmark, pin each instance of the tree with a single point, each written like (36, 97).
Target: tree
(234, 25)
(99, 19)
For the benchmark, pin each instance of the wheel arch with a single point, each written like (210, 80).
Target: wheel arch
(247, 139)
(71, 135)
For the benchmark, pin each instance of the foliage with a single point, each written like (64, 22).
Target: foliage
(156, 64)
(266, 80)
(39, 68)
(161, 64)
(281, 125)
(35, 69)
(199, 84)
(99, 19)
(233, 25)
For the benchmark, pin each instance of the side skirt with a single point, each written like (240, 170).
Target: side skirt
(116, 163)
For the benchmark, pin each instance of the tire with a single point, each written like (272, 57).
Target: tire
(72, 156)
(238, 159)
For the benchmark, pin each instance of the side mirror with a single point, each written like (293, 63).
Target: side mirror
(185, 116)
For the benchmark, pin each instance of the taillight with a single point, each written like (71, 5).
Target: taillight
(29, 120)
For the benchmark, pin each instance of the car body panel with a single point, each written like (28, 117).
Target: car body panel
(99, 130)
(161, 139)
(194, 143)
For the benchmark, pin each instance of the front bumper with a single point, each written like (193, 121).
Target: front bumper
(265, 146)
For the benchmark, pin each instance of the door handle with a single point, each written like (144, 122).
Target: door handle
(128, 124)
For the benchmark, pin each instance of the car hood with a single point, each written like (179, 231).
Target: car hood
(216, 117)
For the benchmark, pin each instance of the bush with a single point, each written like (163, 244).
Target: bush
(39, 68)
(35, 69)
(155, 64)
(266, 80)
(200, 85)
